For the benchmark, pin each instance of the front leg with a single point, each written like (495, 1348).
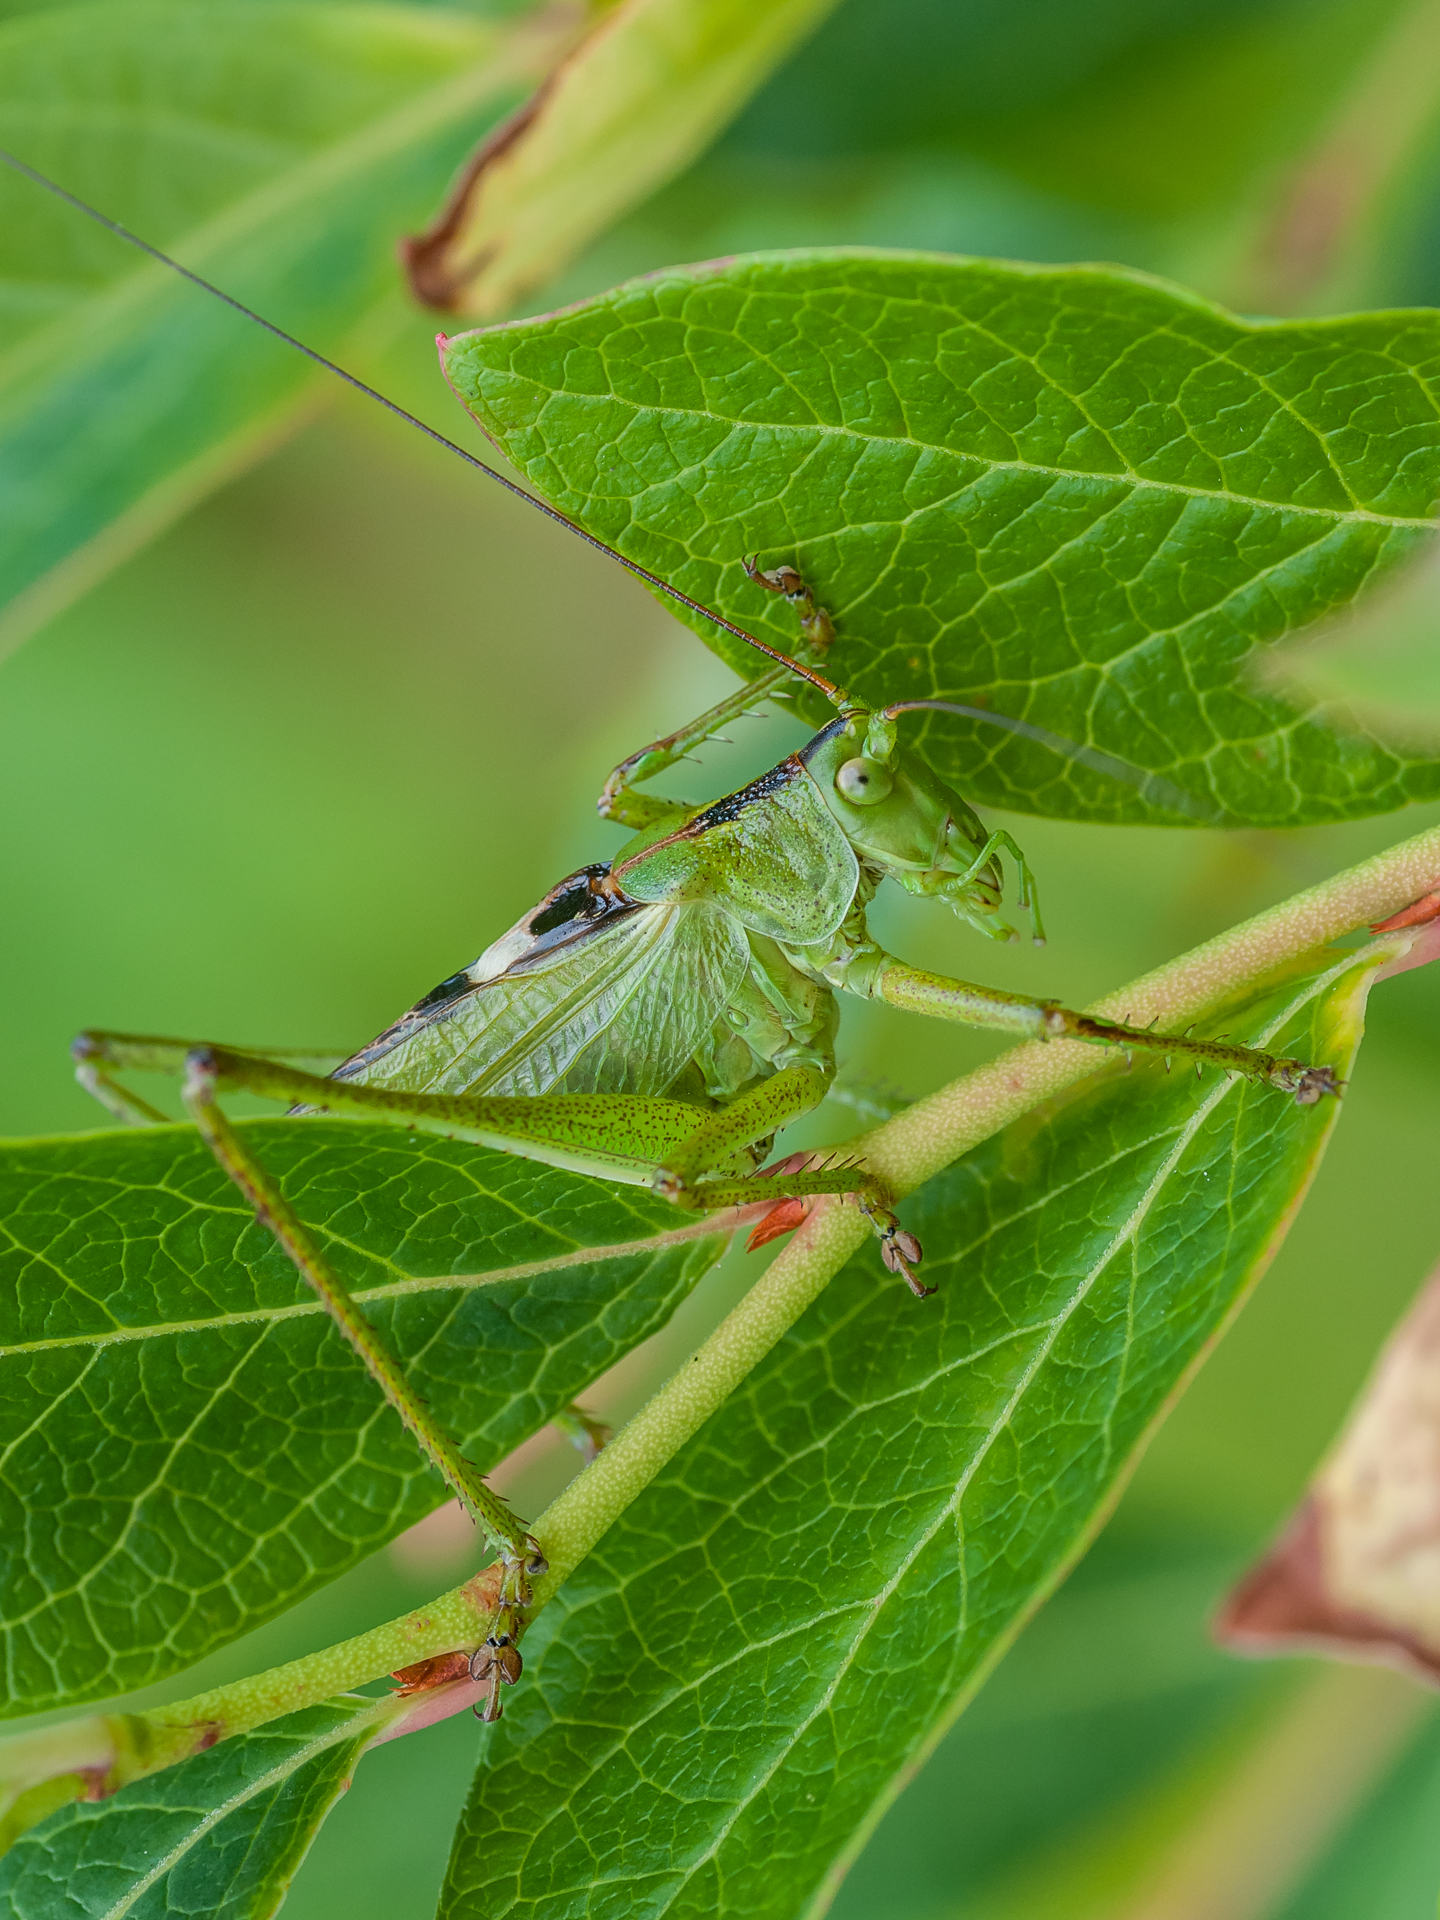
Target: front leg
(618, 800)
(919, 992)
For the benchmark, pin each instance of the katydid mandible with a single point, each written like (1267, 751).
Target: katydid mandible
(659, 1017)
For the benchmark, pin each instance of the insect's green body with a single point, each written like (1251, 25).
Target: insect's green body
(703, 961)
(661, 1018)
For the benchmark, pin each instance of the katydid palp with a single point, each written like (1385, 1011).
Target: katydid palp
(658, 1018)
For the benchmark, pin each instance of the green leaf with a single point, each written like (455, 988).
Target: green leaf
(1220, 99)
(278, 161)
(1194, 141)
(1256, 1801)
(1078, 496)
(188, 1447)
(723, 1695)
(1111, 1700)
(1214, 96)
(220, 1835)
(282, 162)
(640, 98)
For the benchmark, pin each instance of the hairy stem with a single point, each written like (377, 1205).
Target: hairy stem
(593, 1501)
(906, 1151)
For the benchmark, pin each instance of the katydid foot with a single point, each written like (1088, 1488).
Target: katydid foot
(496, 1660)
(900, 1250)
(815, 623)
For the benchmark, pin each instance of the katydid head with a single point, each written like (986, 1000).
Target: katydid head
(908, 824)
(904, 822)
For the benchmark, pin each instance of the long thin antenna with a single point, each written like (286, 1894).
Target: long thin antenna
(393, 406)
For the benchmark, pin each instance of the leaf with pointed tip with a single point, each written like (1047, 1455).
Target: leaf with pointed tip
(187, 1447)
(722, 1696)
(1078, 496)
(644, 93)
(220, 1835)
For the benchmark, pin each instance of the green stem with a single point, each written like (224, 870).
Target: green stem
(110, 1749)
(455, 1619)
(595, 1499)
(906, 1151)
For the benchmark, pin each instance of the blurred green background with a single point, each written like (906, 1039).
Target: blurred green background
(309, 752)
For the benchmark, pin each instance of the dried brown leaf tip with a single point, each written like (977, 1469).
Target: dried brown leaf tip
(1356, 1574)
(439, 1669)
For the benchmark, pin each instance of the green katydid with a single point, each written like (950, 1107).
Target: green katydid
(660, 1017)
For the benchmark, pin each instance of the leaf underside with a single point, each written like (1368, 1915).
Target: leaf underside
(1078, 496)
(187, 1447)
(723, 1695)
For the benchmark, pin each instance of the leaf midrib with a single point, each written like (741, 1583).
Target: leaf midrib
(387, 1290)
(950, 1509)
(1122, 1237)
(869, 1607)
(1127, 477)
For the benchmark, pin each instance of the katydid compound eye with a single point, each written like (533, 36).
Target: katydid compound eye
(863, 782)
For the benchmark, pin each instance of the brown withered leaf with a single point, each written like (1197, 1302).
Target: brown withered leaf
(640, 96)
(1356, 1573)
